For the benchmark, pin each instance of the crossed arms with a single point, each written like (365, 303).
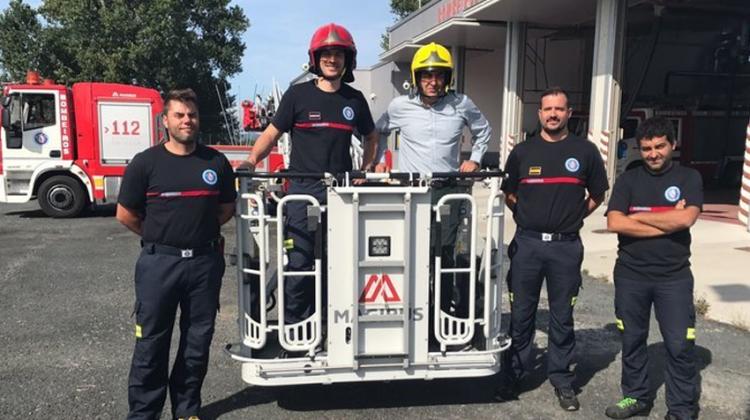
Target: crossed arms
(648, 225)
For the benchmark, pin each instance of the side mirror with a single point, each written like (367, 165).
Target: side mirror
(13, 137)
(6, 116)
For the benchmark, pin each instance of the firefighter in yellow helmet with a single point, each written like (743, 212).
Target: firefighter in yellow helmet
(432, 59)
(431, 120)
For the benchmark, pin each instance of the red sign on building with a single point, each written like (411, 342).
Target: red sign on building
(452, 8)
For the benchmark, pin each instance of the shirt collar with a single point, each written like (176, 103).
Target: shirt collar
(415, 98)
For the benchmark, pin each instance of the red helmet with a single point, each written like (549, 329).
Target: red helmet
(333, 35)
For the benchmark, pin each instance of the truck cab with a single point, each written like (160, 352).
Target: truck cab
(68, 147)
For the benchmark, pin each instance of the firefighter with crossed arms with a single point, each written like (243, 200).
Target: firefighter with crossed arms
(175, 196)
(321, 115)
(555, 179)
(652, 209)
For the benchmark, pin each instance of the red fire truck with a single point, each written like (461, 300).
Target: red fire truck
(68, 147)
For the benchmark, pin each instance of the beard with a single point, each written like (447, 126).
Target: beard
(334, 77)
(555, 131)
(439, 93)
(665, 164)
(182, 138)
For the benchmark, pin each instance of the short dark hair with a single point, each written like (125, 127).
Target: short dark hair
(181, 95)
(655, 127)
(555, 90)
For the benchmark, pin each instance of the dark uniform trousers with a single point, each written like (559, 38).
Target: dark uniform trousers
(675, 313)
(531, 261)
(299, 291)
(162, 283)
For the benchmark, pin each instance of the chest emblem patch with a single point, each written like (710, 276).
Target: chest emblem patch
(313, 115)
(209, 177)
(535, 170)
(672, 194)
(348, 113)
(572, 165)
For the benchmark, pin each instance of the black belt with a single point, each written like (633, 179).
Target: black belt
(548, 237)
(210, 248)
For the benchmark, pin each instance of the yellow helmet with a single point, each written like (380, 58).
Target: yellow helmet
(432, 57)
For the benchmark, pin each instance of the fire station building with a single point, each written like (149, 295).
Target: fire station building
(621, 62)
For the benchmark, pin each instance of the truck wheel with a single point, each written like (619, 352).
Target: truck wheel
(62, 197)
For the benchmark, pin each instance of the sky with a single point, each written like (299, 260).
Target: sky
(280, 30)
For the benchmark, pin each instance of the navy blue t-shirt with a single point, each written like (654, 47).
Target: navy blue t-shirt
(550, 180)
(664, 257)
(321, 125)
(178, 196)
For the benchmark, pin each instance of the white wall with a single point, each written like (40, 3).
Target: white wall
(380, 84)
(483, 83)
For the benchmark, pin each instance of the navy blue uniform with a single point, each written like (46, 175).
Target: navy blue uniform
(321, 125)
(550, 180)
(657, 271)
(181, 264)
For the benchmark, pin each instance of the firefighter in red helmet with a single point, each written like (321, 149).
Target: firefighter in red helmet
(321, 116)
(333, 36)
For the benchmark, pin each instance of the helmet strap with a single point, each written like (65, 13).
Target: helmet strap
(333, 78)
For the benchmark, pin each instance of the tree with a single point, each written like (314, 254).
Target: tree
(19, 40)
(163, 44)
(400, 9)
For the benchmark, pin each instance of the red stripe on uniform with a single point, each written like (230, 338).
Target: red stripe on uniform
(649, 209)
(337, 126)
(554, 180)
(191, 193)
